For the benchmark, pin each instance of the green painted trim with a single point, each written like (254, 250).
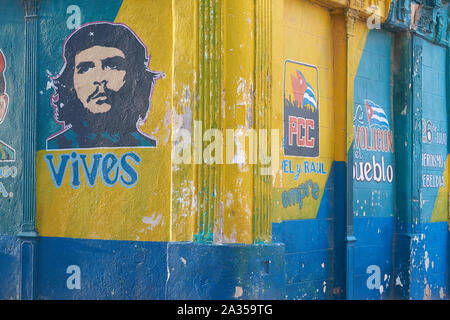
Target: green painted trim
(31, 8)
(209, 85)
(261, 117)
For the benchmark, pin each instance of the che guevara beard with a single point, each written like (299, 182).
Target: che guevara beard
(121, 118)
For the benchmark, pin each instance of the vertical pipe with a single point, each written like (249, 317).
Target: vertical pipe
(203, 52)
(448, 150)
(350, 20)
(28, 235)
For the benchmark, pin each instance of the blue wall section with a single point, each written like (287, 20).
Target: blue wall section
(309, 246)
(373, 202)
(427, 264)
(422, 262)
(159, 270)
(9, 267)
(420, 244)
(146, 270)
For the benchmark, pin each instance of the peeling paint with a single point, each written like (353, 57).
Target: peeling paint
(238, 292)
(427, 293)
(152, 221)
(441, 293)
(167, 122)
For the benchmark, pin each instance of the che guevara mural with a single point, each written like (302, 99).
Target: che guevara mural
(103, 93)
(98, 172)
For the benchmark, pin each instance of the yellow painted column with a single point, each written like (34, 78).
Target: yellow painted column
(237, 194)
(184, 92)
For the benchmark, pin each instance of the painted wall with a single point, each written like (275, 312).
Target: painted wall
(161, 228)
(11, 113)
(103, 188)
(422, 228)
(373, 169)
(303, 194)
(434, 173)
(107, 192)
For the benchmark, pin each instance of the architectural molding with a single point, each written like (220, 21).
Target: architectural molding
(210, 66)
(427, 18)
(262, 111)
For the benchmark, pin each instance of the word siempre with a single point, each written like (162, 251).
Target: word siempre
(296, 195)
(108, 167)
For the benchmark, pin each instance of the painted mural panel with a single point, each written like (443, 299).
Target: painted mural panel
(303, 112)
(434, 164)
(305, 115)
(11, 102)
(373, 146)
(301, 131)
(373, 169)
(103, 144)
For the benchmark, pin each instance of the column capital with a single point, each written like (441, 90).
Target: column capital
(31, 8)
(428, 18)
(351, 15)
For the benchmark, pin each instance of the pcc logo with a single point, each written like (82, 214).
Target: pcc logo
(301, 109)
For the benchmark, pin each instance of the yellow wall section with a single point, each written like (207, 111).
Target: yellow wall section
(162, 206)
(340, 86)
(315, 35)
(306, 37)
(185, 80)
(355, 51)
(141, 212)
(152, 22)
(102, 212)
(440, 211)
(345, 56)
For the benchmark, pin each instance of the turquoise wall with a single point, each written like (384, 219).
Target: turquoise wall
(11, 128)
(373, 169)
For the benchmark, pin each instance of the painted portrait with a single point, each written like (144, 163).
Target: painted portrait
(102, 95)
(7, 153)
(4, 99)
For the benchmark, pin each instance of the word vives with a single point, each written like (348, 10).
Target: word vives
(109, 167)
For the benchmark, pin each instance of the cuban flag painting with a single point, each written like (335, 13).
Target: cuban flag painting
(303, 92)
(376, 114)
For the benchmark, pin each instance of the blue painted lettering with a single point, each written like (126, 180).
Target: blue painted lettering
(109, 163)
(129, 170)
(109, 167)
(296, 195)
(59, 173)
(75, 181)
(91, 172)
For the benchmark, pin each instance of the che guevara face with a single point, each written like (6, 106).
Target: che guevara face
(98, 71)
